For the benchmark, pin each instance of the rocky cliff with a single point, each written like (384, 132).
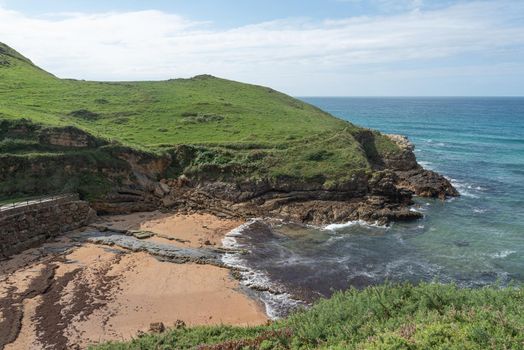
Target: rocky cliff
(118, 179)
(381, 197)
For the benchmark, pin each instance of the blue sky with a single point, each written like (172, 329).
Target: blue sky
(230, 13)
(304, 48)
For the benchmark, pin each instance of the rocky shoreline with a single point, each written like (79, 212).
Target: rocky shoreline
(125, 180)
(382, 197)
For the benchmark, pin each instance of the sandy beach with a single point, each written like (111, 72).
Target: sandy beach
(68, 294)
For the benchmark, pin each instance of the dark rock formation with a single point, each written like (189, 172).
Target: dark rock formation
(426, 183)
(383, 197)
(129, 180)
(412, 177)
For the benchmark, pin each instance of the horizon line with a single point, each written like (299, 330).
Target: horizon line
(409, 96)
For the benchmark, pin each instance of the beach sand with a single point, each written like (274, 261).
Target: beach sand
(192, 230)
(69, 294)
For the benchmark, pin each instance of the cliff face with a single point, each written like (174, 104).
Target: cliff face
(41, 160)
(381, 197)
(120, 179)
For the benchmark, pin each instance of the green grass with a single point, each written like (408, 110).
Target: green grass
(167, 112)
(248, 131)
(425, 316)
(29, 167)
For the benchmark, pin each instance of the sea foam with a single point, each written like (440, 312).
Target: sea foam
(502, 254)
(336, 227)
(276, 300)
(465, 189)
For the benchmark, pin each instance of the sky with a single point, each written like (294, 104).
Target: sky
(303, 48)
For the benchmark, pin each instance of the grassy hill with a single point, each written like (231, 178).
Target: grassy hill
(218, 128)
(203, 109)
(427, 316)
(257, 131)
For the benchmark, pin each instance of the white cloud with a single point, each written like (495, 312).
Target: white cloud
(282, 53)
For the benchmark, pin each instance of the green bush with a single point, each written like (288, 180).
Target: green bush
(424, 316)
(85, 114)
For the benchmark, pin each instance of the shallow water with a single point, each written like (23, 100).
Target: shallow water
(473, 240)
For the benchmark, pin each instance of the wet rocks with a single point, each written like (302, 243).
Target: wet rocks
(162, 251)
(141, 234)
(426, 183)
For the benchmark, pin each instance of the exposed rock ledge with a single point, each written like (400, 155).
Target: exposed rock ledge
(414, 178)
(384, 197)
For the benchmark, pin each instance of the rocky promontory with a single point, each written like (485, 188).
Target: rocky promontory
(383, 197)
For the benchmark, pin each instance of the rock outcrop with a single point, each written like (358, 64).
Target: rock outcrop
(383, 197)
(67, 137)
(130, 180)
(413, 177)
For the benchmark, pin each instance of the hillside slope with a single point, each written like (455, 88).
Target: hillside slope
(203, 109)
(229, 141)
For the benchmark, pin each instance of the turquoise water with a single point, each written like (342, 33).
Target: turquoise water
(473, 240)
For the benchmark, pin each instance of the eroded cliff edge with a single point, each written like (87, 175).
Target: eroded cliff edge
(382, 196)
(119, 179)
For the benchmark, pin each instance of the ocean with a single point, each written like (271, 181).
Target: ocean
(473, 240)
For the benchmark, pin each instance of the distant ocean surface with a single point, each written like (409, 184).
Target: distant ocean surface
(472, 240)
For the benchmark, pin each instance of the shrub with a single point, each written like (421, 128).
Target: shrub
(85, 114)
(319, 155)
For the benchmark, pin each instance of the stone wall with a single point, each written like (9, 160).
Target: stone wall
(29, 225)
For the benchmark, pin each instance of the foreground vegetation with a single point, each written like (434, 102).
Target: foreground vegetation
(425, 316)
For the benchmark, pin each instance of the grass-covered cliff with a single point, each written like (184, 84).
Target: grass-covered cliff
(427, 316)
(235, 143)
(247, 130)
